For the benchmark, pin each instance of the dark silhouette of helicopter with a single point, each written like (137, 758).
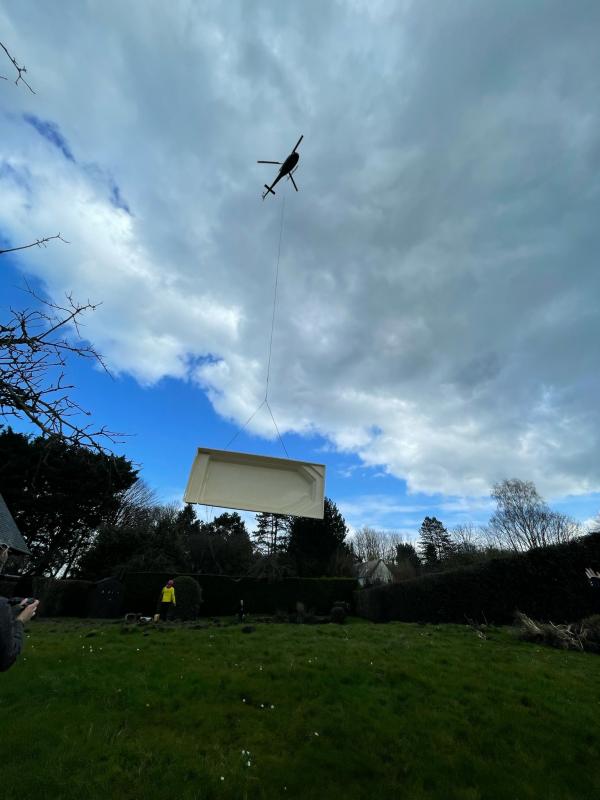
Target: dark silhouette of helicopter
(287, 168)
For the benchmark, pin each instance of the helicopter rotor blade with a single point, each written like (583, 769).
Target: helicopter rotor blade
(268, 162)
(297, 143)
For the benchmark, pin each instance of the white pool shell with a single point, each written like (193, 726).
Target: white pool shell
(256, 483)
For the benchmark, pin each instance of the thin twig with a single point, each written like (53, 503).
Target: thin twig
(32, 380)
(20, 70)
(37, 243)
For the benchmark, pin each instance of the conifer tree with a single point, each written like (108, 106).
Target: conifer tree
(405, 552)
(429, 555)
(435, 541)
(314, 543)
(272, 533)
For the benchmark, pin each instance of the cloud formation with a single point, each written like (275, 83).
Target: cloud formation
(437, 308)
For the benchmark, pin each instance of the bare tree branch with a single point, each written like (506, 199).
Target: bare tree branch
(135, 505)
(32, 379)
(523, 520)
(370, 544)
(37, 243)
(20, 70)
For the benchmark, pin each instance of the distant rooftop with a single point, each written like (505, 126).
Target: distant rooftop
(9, 533)
(364, 569)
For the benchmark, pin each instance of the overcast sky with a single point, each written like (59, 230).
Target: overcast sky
(438, 317)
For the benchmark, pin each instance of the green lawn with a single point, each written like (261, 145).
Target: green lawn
(291, 711)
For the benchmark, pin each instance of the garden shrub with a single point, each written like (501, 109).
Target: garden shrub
(590, 633)
(188, 596)
(338, 614)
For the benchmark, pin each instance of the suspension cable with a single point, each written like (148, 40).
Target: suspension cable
(268, 376)
(274, 299)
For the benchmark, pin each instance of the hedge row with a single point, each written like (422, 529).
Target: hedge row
(140, 592)
(63, 598)
(8, 587)
(221, 594)
(547, 584)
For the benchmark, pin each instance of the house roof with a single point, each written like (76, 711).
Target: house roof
(364, 569)
(9, 533)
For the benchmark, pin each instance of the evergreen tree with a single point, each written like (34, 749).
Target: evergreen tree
(221, 547)
(154, 540)
(434, 539)
(430, 555)
(60, 494)
(343, 562)
(314, 543)
(272, 533)
(186, 522)
(406, 553)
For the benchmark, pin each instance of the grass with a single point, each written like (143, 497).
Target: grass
(359, 711)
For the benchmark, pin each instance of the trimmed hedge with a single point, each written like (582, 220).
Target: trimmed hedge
(24, 587)
(106, 599)
(8, 587)
(547, 584)
(62, 598)
(221, 594)
(188, 596)
(68, 598)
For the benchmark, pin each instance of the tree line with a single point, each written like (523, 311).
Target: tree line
(85, 513)
(521, 521)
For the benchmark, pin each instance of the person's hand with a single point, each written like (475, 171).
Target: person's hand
(28, 611)
(591, 574)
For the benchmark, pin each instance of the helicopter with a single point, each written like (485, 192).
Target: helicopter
(288, 167)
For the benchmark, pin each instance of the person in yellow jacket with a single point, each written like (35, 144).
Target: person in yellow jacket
(167, 601)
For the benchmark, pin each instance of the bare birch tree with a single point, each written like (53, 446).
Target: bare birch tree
(370, 544)
(523, 520)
